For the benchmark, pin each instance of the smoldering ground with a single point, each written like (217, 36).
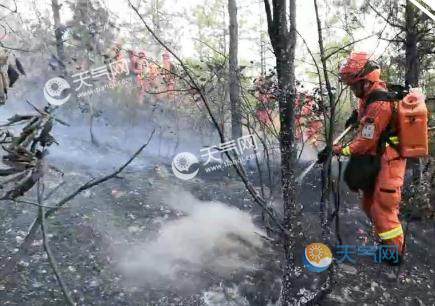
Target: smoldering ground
(196, 244)
(116, 208)
(208, 239)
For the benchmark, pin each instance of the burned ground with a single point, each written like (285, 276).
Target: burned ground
(90, 231)
(127, 242)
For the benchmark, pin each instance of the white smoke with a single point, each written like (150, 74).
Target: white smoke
(309, 152)
(210, 236)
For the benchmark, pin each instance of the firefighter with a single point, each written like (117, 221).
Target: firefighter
(376, 140)
(264, 92)
(168, 74)
(139, 65)
(113, 58)
(153, 74)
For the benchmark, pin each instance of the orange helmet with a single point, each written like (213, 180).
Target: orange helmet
(359, 67)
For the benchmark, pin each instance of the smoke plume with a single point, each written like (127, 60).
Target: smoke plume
(210, 237)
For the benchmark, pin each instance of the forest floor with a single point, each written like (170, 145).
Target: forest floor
(149, 238)
(89, 234)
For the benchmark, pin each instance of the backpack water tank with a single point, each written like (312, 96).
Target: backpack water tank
(412, 125)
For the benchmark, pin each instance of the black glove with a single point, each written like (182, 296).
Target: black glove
(322, 156)
(353, 119)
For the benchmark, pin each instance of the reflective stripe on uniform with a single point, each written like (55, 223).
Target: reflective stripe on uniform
(345, 150)
(393, 233)
(394, 140)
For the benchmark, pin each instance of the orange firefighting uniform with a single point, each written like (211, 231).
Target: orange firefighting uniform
(168, 77)
(139, 65)
(382, 204)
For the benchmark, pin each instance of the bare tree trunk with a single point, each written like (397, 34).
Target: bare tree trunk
(58, 32)
(236, 116)
(411, 53)
(262, 47)
(155, 15)
(412, 70)
(283, 39)
(326, 173)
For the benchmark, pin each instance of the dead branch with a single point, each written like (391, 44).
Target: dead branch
(47, 249)
(9, 171)
(14, 10)
(22, 201)
(92, 183)
(103, 179)
(17, 118)
(386, 19)
(22, 186)
(167, 91)
(15, 49)
(19, 176)
(54, 190)
(211, 48)
(11, 11)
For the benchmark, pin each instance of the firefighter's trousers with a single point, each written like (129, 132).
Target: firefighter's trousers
(382, 204)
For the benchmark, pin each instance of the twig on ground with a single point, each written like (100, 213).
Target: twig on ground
(34, 227)
(54, 190)
(32, 203)
(47, 249)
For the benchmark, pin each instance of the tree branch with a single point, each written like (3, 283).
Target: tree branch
(387, 20)
(47, 249)
(239, 168)
(88, 185)
(32, 203)
(346, 45)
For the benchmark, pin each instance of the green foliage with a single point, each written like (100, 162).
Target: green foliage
(86, 34)
(210, 19)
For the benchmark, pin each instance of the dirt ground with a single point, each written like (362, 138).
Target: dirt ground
(83, 241)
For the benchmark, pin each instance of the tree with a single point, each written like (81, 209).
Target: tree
(210, 20)
(58, 33)
(282, 34)
(91, 26)
(413, 31)
(234, 87)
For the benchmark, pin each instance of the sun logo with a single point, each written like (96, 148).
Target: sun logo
(317, 257)
(183, 165)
